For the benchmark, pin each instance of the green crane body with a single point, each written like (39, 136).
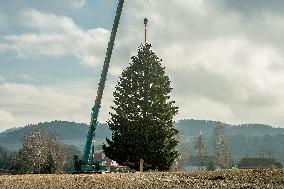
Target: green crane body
(87, 164)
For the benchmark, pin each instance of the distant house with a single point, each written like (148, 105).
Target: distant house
(102, 157)
(111, 165)
(259, 163)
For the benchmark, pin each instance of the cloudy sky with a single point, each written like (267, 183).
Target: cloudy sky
(225, 58)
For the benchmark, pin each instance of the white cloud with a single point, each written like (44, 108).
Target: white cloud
(23, 104)
(7, 120)
(223, 65)
(48, 22)
(25, 77)
(220, 66)
(58, 36)
(6, 116)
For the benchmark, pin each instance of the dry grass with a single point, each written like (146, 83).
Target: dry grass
(221, 179)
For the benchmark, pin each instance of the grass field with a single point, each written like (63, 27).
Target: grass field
(221, 179)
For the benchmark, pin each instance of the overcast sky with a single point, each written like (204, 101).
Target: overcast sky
(224, 57)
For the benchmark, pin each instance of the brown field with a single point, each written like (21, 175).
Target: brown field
(218, 179)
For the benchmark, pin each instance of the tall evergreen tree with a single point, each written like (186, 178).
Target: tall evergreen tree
(142, 118)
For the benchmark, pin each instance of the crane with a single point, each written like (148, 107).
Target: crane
(87, 164)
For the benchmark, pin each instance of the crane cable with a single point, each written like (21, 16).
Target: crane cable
(146, 2)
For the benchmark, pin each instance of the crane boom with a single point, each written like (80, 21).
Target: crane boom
(97, 105)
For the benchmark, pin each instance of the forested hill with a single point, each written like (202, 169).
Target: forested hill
(246, 140)
(72, 133)
(191, 127)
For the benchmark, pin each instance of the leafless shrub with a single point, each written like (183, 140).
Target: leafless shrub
(38, 151)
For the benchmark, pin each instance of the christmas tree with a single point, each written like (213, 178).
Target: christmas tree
(142, 118)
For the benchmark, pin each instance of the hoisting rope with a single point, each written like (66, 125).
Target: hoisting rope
(146, 4)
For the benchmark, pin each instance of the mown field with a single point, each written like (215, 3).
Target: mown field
(219, 179)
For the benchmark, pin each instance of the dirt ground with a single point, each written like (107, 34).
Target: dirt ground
(219, 179)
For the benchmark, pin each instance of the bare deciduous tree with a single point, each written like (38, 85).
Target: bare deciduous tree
(183, 148)
(38, 149)
(221, 145)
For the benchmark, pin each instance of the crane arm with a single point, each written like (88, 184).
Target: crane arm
(97, 105)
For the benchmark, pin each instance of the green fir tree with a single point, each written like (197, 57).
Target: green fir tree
(142, 117)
